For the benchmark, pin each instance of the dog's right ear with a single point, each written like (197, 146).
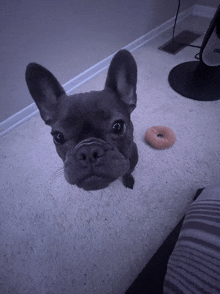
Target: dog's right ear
(45, 90)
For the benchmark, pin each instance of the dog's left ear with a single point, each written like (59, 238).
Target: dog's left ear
(122, 78)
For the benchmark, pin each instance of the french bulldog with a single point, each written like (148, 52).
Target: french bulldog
(92, 132)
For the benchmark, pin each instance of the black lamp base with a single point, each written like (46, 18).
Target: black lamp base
(196, 80)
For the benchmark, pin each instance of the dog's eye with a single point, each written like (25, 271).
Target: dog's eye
(118, 127)
(59, 138)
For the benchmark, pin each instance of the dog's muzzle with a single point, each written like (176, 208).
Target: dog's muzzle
(90, 151)
(94, 163)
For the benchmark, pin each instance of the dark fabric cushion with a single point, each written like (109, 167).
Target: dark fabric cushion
(194, 265)
(151, 278)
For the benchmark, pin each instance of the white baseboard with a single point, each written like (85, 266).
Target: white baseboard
(31, 110)
(204, 11)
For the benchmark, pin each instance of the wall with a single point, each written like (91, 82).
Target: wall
(68, 36)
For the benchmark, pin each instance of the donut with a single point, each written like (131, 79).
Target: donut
(160, 137)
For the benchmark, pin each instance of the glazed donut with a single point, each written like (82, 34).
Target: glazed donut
(160, 137)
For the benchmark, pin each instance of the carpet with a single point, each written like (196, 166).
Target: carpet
(56, 238)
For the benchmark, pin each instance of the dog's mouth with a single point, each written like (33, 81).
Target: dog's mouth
(94, 182)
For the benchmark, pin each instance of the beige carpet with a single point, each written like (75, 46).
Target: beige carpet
(57, 239)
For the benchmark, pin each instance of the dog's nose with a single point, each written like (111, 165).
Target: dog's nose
(90, 154)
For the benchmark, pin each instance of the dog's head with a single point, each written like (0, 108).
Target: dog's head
(92, 132)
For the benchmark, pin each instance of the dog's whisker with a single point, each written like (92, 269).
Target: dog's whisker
(70, 187)
(57, 173)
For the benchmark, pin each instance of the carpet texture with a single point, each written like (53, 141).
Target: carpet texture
(56, 238)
